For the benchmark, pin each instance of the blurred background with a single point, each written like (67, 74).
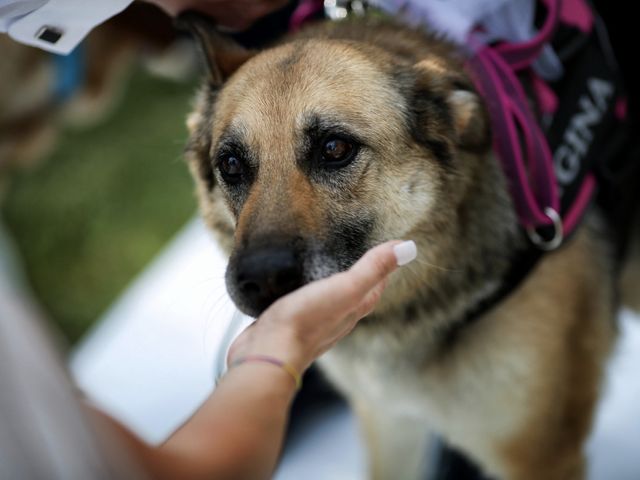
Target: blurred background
(92, 181)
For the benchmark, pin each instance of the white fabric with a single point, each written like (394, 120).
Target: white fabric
(74, 18)
(44, 434)
(455, 18)
(510, 20)
(10, 10)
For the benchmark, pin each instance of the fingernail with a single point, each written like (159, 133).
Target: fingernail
(405, 252)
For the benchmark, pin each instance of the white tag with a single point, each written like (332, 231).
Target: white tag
(71, 20)
(510, 20)
(454, 18)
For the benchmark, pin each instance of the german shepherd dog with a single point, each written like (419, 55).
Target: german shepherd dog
(352, 133)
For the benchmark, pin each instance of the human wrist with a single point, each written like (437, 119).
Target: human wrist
(271, 340)
(295, 375)
(265, 378)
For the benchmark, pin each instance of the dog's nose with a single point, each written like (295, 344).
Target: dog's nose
(264, 275)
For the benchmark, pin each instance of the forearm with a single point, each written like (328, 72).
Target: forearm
(238, 432)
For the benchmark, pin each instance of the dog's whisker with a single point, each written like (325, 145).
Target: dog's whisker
(421, 261)
(217, 305)
(210, 279)
(213, 314)
(210, 318)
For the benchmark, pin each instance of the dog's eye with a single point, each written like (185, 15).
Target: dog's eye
(337, 152)
(231, 168)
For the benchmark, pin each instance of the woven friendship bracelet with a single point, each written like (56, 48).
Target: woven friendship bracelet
(297, 378)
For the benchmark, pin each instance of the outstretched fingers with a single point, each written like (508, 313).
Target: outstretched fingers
(351, 291)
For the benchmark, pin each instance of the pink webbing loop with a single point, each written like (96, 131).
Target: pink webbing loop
(519, 141)
(511, 119)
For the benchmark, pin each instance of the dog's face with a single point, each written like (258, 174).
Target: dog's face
(314, 151)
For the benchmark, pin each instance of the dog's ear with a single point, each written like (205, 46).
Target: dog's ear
(467, 113)
(221, 53)
(470, 119)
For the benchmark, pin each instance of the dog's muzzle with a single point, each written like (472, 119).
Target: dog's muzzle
(258, 277)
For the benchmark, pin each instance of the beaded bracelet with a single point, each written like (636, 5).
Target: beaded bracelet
(297, 378)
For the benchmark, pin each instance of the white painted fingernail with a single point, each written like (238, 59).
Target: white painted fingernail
(405, 252)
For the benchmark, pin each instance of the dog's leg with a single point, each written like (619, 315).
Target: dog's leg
(397, 446)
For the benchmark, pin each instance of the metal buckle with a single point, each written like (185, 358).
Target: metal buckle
(558, 232)
(340, 9)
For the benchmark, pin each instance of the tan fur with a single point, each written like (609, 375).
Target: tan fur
(519, 387)
(514, 389)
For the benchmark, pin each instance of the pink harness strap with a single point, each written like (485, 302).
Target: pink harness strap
(519, 141)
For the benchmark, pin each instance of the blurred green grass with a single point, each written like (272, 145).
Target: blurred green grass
(91, 216)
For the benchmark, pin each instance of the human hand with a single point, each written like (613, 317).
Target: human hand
(304, 324)
(232, 14)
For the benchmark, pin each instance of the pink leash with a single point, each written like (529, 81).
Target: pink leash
(529, 168)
